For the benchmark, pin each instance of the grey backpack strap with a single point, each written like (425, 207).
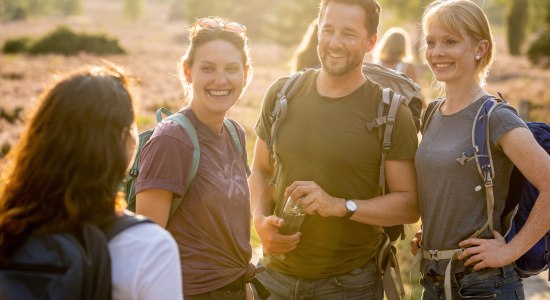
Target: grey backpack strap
(387, 113)
(387, 137)
(427, 116)
(278, 115)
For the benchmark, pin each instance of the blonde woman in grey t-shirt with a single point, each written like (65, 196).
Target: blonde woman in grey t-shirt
(459, 51)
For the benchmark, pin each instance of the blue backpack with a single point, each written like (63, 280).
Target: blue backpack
(64, 265)
(183, 121)
(521, 193)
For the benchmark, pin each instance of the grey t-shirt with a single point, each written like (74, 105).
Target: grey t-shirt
(212, 223)
(451, 208)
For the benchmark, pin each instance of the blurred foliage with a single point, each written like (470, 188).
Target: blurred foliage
(281, 21)
(285, 21)
(517, 24)
(132, 10)
(16, 45)
(63, 40)
(12, 10)
(539, 50)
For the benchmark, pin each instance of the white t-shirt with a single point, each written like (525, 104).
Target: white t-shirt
(145, 264)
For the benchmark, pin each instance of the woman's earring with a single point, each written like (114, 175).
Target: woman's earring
(478, 57)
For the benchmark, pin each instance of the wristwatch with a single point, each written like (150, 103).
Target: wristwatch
(351, 207)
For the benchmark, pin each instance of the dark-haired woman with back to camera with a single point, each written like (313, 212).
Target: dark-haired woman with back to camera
(63, 175)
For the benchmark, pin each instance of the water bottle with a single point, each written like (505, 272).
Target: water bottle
(294, 215)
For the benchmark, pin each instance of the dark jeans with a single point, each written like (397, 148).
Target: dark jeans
(234, 291)
(221, 295)
(500, 283)
(362, 283)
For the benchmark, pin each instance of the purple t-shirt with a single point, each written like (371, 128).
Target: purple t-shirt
(212, 223)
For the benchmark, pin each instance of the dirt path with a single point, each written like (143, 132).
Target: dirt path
(537, 287)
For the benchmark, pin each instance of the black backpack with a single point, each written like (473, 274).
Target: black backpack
(66, 265)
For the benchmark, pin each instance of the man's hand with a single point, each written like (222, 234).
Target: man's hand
(272, 241)
(314, 199)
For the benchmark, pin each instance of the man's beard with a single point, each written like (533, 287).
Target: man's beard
(350, 65)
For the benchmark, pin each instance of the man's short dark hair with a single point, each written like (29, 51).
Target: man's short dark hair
(371, 7)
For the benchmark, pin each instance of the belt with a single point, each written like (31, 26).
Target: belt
(434, 277)
(240, 283)
(235, 285)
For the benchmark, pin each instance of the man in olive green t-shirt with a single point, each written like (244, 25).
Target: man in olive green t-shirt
(329, 164)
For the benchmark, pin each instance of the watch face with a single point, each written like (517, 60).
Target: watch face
(351, 205)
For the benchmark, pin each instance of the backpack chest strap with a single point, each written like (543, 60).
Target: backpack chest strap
(437, 255)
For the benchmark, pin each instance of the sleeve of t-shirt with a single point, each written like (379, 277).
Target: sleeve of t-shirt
(165, 160)
(145, 264)
(160, 276)
(263, 125)
(503, 119)
(405, 139)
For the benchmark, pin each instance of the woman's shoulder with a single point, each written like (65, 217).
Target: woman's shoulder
(143, 236)
(168, 131)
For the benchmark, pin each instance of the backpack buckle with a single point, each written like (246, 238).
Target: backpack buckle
(433, 255)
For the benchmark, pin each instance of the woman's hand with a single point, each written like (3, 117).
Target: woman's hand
(415, 243)
(486, 253)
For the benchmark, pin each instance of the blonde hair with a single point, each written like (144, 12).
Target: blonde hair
(463, 17)
(394, 46)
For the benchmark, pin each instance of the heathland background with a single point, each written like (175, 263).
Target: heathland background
(152, 33)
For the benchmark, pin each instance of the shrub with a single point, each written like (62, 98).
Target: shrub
(63, 40)
(16, 45)
(539, 51)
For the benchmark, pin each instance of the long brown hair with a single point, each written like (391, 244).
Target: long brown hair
(70, 160)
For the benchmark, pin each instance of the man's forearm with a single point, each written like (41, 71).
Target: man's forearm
(391, 209)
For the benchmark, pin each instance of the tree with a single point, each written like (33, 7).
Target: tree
(133, 9)
(12, 10)
(290, 20)
(517, 24)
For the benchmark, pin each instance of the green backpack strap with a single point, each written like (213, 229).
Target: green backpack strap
(184, 122)
(234, 135)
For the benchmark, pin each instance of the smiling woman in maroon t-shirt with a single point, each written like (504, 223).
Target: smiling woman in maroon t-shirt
(212, 223)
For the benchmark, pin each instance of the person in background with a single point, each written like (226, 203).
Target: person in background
(306, 55)
(328, 163)
(393, 51)
(212, 223)
(459, 51)
(65, 171)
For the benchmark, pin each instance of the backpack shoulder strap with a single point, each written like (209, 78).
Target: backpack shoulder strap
(427, 116)
(184, 122)
(287, 92)
(234, 134)
(121, 223)
(481, 148)
(385, 121)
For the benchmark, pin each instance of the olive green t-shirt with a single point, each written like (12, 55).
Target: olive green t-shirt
(326, 140)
